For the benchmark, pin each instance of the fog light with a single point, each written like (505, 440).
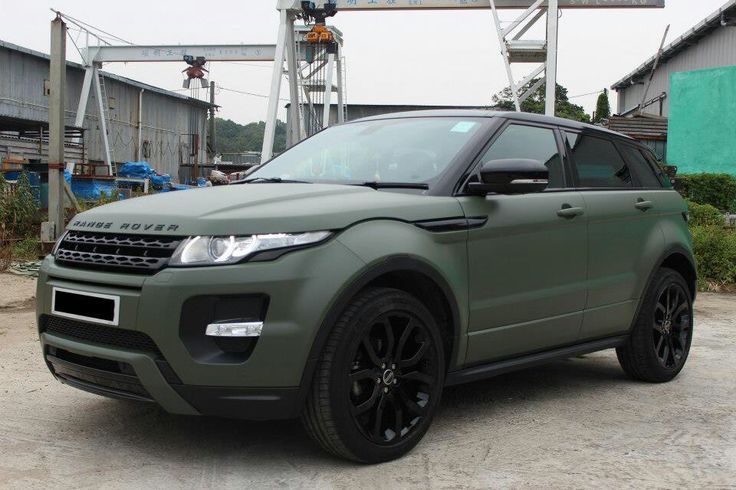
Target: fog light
(245, 329)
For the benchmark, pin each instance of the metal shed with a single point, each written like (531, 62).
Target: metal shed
(710, 44)
(164, 128)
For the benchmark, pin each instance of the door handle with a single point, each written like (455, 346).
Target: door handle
(570, 212)
(643, 205)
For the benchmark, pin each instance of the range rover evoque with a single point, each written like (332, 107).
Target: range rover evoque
(353, 277)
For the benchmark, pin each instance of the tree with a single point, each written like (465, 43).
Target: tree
(535, 102)
(602, 108)
(237, 138)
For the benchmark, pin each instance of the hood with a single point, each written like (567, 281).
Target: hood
(261, 208)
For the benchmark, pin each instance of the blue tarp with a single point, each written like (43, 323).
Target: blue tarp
(92, 189)
(142, 170)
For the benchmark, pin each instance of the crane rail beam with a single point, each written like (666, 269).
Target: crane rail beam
(358, 5)
(132, 54)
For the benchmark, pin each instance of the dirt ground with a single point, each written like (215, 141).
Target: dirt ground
(571, 424)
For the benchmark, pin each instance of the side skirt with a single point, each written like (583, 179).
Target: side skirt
(475, 373)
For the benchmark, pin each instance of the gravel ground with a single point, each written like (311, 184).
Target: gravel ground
(574, 424)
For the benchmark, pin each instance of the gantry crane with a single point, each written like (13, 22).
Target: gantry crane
(514, 47)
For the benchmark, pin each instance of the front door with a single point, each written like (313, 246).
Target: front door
(527, 265)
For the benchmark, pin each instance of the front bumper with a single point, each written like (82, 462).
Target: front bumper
(270, 384)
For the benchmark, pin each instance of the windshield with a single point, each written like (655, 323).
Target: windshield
(414, 150)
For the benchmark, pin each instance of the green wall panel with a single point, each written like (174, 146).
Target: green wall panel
(702, 125)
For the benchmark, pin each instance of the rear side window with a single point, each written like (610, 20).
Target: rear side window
(639, 164)
(597, 162)
(663, 177)
(530, 142)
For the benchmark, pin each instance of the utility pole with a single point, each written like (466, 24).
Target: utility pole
(56, 128)
(212, 129)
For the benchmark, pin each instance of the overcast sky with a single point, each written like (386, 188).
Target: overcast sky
(427, 57)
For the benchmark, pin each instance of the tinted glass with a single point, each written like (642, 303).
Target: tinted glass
(390, 150)
(658, 169)
(644, 172)
(529, 142)
(597, 162)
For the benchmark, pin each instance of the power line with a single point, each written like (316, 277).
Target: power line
(251, 94)
(585, 95)
(83, 25)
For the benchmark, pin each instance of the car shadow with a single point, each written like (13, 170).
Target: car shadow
(149, 432)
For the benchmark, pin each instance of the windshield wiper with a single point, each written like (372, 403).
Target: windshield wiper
(271, 180)
(395, 185)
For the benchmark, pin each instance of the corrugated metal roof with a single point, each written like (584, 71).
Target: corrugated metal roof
(644, 127)
(128, 81)
(701, 30)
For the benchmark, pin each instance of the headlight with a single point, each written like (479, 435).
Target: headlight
(210, 250)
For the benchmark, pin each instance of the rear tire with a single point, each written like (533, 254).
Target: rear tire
(660, 341)
(378, 382)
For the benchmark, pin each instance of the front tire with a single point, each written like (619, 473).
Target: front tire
(379, 379)
(660, 341)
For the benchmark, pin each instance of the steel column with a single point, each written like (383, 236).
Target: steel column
(329, 75)
(340, 88)
(84, 99)
(294, 114)
(285, 25)
(553, 20)
(103, 120)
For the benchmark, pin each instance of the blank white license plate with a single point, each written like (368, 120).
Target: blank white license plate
(81, 305)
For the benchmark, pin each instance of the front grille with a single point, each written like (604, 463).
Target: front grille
(108, 251)
(99, 334)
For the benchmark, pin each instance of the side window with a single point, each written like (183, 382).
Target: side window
(597, 162)
(644, 172)
(530, 142)
(663, 177)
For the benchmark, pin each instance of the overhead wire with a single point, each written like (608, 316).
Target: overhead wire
(82, 24)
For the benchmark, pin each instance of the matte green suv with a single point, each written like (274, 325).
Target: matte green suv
(351, 278)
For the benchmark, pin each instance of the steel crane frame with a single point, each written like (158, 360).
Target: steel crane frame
(533, 11)
(94, 56)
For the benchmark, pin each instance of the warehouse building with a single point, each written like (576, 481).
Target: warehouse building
(710, 44)
(145, 122)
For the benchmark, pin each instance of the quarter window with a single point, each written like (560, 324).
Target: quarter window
(597, 162)
(644, 172)
(532, 143)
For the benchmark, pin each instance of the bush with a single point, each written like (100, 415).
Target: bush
(17, 208)
(718, 190)
(27, 249)
(704, 215)
(715, 252)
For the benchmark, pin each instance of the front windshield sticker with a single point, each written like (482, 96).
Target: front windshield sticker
(463, 127)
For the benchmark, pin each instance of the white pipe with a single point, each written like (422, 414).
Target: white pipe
(140, 126)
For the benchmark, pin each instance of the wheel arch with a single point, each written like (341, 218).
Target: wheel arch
(400, 272)
(679, 259)
(682, 262)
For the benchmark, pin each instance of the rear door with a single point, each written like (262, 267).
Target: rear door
(623, 231)
(527, 264)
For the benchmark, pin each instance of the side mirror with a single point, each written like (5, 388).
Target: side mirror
(511, 176)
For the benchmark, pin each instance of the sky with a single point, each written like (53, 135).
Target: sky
(418, 57)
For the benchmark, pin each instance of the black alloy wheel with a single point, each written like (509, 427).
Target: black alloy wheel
(659, 343)
(391, 378)
(672, 326)
(379, 379)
